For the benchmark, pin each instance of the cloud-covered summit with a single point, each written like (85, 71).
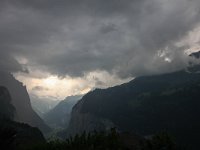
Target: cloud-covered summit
(76, 37)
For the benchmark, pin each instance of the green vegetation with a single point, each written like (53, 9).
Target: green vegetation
(111, 140)
(160, 141)
(90, 141)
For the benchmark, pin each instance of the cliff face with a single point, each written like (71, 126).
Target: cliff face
(146, 105)
(88, 122)
(21, 102)
(7, 110)
(14, 135)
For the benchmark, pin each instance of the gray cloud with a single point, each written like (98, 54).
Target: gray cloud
(75, 37)
(40, 88)
(7, 64)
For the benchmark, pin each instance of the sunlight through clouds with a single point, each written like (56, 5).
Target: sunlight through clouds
(58, 88)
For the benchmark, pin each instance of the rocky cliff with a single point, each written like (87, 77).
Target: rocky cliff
(21, 102)
(14, 135)
(145, 105)
(88, 122)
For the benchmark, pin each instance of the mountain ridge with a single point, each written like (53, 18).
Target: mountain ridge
(21, 102)
(145, 105)
(15, 135)
(60, 115)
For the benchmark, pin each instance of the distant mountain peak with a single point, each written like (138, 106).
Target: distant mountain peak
(59, 116)
(195, 55)
(194, 64)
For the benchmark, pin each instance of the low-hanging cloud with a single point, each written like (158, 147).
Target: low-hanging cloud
(122, 37)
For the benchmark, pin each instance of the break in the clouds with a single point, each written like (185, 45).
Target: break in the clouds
(73, 38)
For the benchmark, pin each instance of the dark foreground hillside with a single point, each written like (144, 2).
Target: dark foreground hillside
(20, 136)
(110, 140)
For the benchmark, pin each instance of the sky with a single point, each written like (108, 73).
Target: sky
(59, 48)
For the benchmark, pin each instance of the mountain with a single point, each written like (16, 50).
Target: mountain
(19, 136)
(7, 110)
(21, 102)
(61, 114)
(195, 55)
(42, 105)
(145, 105)
(14, 135)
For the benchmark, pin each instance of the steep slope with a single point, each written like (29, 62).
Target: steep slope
(145, 106)
(42, 105)
(7, 110)
(21, 102)
(19, 136)
(61, 114)
(15, 135)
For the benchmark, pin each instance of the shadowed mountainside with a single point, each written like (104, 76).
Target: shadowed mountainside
(145, 105)
(61, 114)
(42, 105)
(15, 135)
(21, 102)
(7, 110)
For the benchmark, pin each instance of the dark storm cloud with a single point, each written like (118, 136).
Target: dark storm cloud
(79, 36)
(7, 63)
(108, 28)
